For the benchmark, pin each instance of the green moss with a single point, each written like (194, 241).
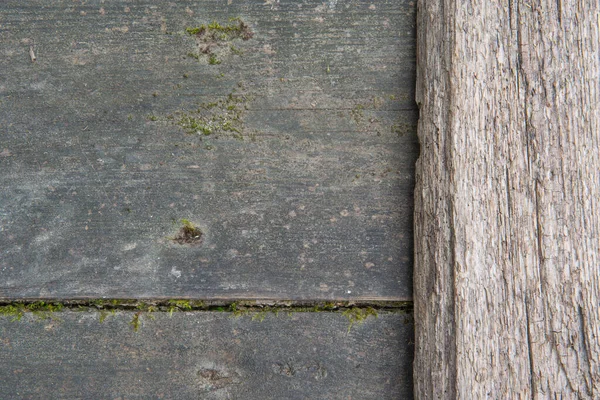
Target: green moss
(193, 55)
(213, 60)
(194, 125)
(228, 126)
(13, 310)
(377, 101)
(41, 309)
(152, 117)
(195, 31)
(235, 310)
(235, 50)
(106, 307)
(214, 30)
(188, 234)
(97, 302)
(239, 309)
(259, 313)
(325, 307)
(135, 321)
(357, 113)
(262, 314)
(404, 306)
(214, 35)
(182, 305)
(358, 315)
(146, 307)
(220, 117)
(104, 314)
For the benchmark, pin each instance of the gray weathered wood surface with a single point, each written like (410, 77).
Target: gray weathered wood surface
(311, 200)
(507, 200)
(303, 191)
(205, 355)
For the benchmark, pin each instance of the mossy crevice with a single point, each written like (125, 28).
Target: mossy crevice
(356, 313)
(42, 309)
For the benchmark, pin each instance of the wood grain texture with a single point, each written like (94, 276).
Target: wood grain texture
(205, 355)
(507, 200)
(311, 197)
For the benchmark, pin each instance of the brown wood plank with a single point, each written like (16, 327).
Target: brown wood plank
(303, 189)
(507, 199)
(208, 355)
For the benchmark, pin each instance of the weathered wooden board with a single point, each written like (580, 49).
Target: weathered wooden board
(507, 200)
(303, 190)
(206, 355)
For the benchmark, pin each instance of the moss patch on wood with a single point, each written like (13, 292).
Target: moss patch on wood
(224, 116)
(213, 39)
(358, 315)
(188, 234)
(41, 309)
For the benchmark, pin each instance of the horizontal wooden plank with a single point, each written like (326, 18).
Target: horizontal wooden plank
(302, 189)
(208, 355)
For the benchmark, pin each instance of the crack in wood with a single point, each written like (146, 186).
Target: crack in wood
(157, 305)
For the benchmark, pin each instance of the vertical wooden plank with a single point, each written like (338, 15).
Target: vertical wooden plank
(506, 202)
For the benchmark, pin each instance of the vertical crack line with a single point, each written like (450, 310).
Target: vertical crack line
(538, 226)
(522, 90)
(529, 346)
(585, 351)
(508, 197)
(519, 51)
(510, 14)
(522, 70)
(540, 252)
(508, 227)
(452, 339)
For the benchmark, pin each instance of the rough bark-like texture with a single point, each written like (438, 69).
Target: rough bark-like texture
(506, 203)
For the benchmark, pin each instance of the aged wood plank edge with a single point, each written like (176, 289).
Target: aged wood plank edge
(507, 200)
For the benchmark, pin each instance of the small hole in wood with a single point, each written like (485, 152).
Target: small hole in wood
(188, 234)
